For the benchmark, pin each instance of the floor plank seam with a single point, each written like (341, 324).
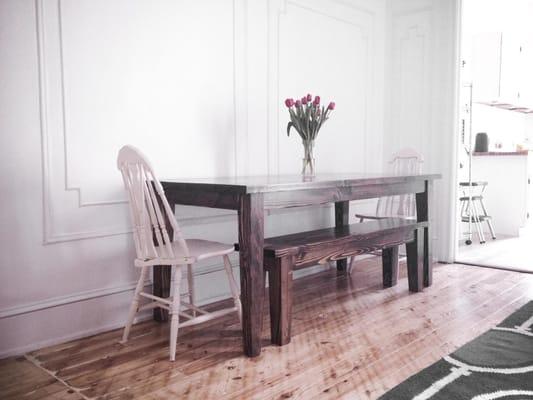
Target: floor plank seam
(37, 364)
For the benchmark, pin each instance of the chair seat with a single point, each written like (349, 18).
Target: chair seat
(368, 216)
(198, 250)
(201, 249)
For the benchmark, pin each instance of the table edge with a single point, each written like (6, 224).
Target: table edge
(280, 187)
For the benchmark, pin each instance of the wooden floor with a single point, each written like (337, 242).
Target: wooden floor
(512, 253)
(352, 339)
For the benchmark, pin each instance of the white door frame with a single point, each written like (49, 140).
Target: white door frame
(453, 231)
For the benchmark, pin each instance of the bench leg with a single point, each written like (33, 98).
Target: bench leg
(415, 261)
(280, 291)
(342, 217)
(390, 259)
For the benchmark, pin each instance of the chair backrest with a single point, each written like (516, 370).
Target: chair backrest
(404, 162)
(149, 207)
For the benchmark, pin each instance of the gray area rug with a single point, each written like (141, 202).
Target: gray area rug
(496, 365)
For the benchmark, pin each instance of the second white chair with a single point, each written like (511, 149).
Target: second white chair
(154, 246)
(404, 162)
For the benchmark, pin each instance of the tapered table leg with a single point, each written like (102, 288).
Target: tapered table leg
(424, 207)
(342, 215)
(280, 289)
(415, 260)
(251, 239)
(162, 277)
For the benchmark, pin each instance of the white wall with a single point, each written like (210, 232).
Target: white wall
(421, 92)
(199, 86)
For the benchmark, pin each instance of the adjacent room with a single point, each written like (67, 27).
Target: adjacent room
(266, 199)
(496, 129)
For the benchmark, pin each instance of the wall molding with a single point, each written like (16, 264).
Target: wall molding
(86, 295)
(67, 299)
(44, 10)
(142, 316)
(410, 23)
(17, 351)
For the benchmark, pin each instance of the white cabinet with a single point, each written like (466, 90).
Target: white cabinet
(486, 66)
(502, 68)
(510, 80)
(506, 195)
(526, 73)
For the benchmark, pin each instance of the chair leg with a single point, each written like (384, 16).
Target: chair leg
(134, 305)
(190, 283)
(350, 266)
(390, 258)
(233, 286)
(174, 311)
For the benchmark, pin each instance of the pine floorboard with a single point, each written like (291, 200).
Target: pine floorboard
(352, 339)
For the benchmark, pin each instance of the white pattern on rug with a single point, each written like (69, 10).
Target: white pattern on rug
(460, 369)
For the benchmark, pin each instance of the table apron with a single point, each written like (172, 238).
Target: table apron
(307, 197)
(294, 198)
(226, 201)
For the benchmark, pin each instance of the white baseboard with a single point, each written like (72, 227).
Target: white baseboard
(93, 294)
(38, 315)
(66, 338)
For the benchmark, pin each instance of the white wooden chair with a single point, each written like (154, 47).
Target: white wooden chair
(153, 245)
(404, 162)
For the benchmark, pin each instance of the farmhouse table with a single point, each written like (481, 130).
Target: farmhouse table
(251, 196)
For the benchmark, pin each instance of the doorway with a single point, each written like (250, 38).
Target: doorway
(495, 144)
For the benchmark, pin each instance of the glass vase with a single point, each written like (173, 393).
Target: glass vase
(308, 162)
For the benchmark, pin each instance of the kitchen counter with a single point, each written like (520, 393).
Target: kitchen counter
(501, 153)
(507, 190)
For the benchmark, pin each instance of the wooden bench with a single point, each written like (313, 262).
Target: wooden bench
(285, 254)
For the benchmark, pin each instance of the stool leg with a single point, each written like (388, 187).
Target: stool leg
(415, 261)
(491, 228)
(280, 290)
(390, 259)
(478, 223)
(489, 222)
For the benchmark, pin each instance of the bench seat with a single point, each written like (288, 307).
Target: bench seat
(284, 254)
(332, 244)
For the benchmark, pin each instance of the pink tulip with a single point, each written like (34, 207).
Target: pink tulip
(317, 101)
(309, 97)
(289, 103)
(304, 100)
(331, 106)
(298, 103)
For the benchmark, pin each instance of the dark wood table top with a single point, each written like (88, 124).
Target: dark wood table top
(276, 183)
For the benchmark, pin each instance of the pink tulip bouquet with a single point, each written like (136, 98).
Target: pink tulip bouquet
(307, 117)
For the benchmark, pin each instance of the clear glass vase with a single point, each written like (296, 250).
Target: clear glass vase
(308, 162)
